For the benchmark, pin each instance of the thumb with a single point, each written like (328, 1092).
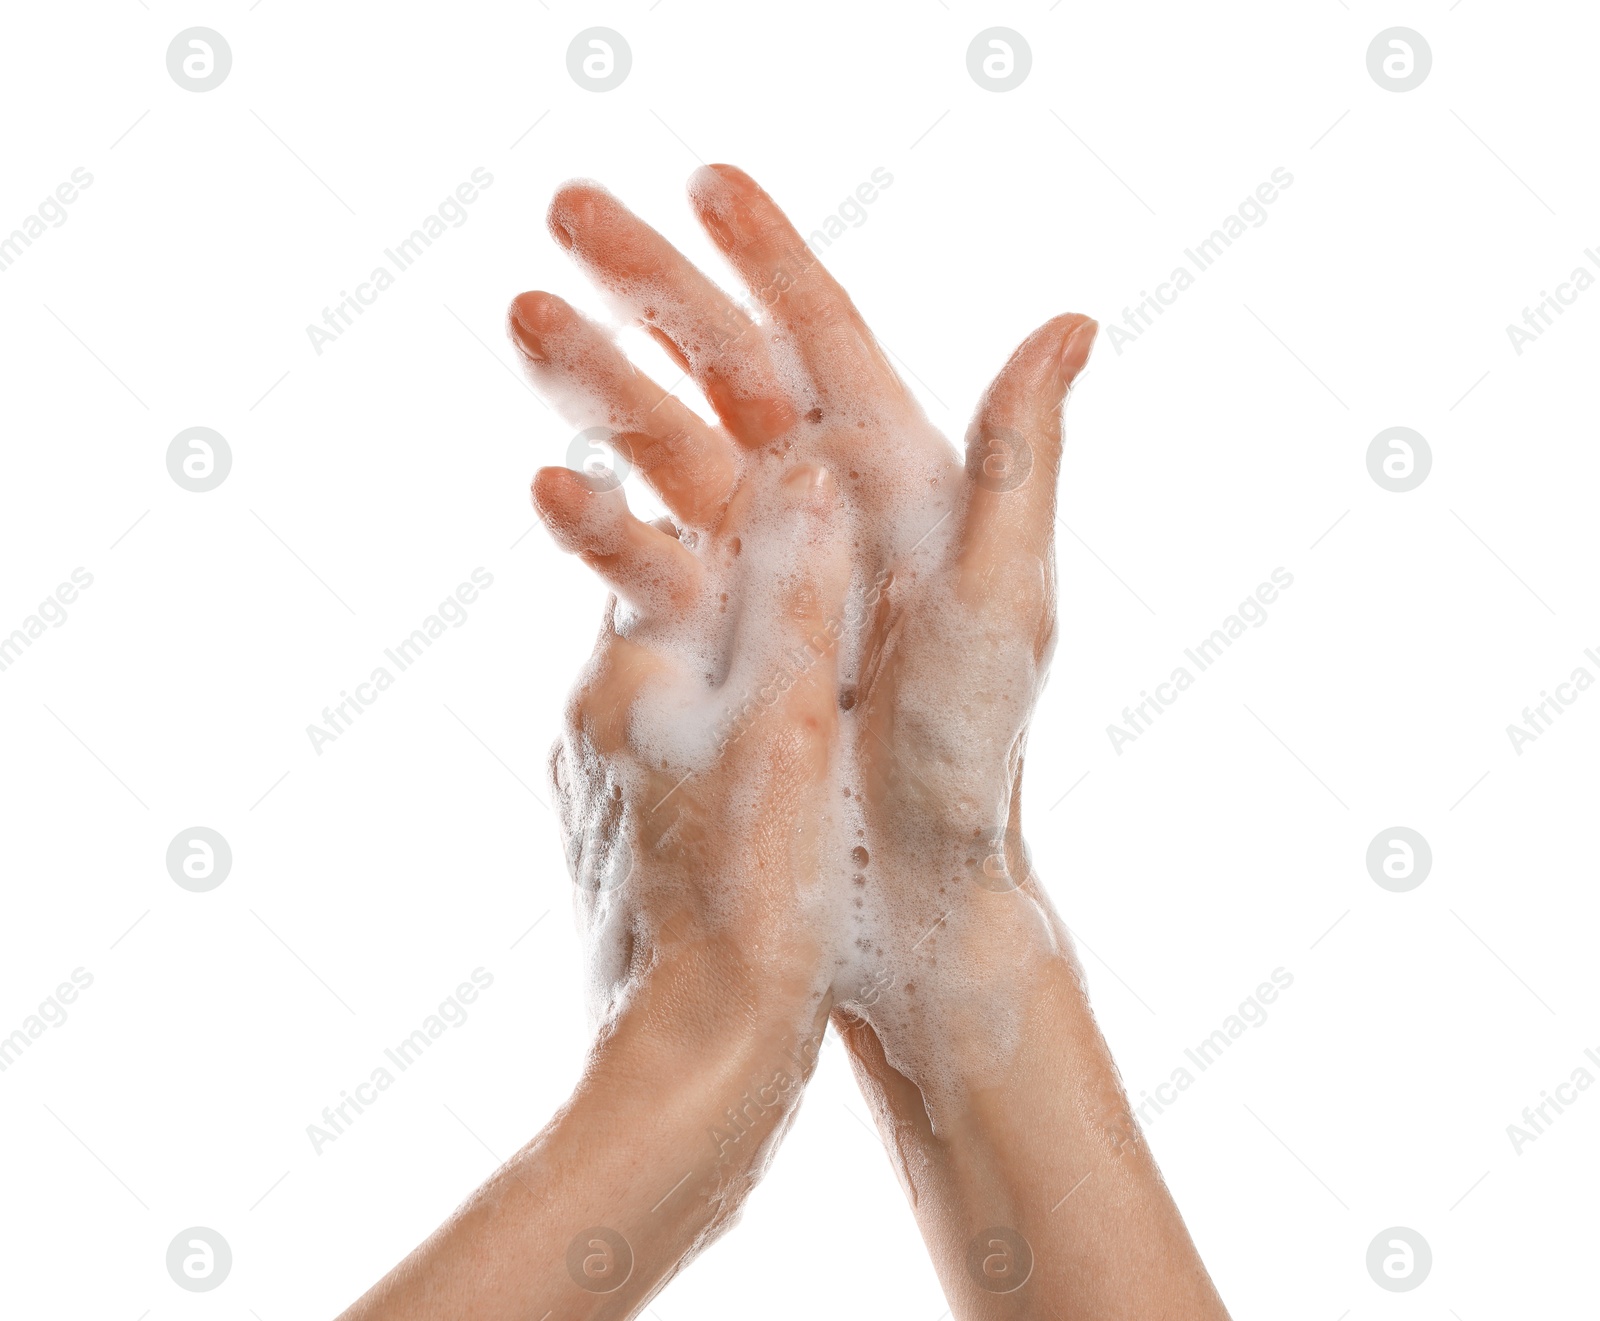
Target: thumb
(1014, 447)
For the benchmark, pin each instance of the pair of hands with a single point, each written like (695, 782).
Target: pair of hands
(799, 742)
(789, 785)
(789, 778)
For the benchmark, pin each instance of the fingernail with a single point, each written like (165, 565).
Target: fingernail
(1075, 352)
(717, 197)
(521, 320)
(576, 208)
(532, 316)
(714, 217)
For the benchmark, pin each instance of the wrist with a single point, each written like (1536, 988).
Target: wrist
(697, 1019)
(992, 982)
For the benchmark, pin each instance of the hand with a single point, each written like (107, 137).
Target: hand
(685, 844)
(951, 666)
(695, 857)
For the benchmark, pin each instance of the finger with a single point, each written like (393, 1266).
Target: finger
(1014, 448)
(574, 363)
(785, 677)
(791, 285)
(639, 562)
(811, 603)
(655, 284)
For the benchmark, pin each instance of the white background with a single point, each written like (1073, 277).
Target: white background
(1226, 441)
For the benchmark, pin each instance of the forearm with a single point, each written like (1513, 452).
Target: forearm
(662, 1138)
(1048, 1154)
